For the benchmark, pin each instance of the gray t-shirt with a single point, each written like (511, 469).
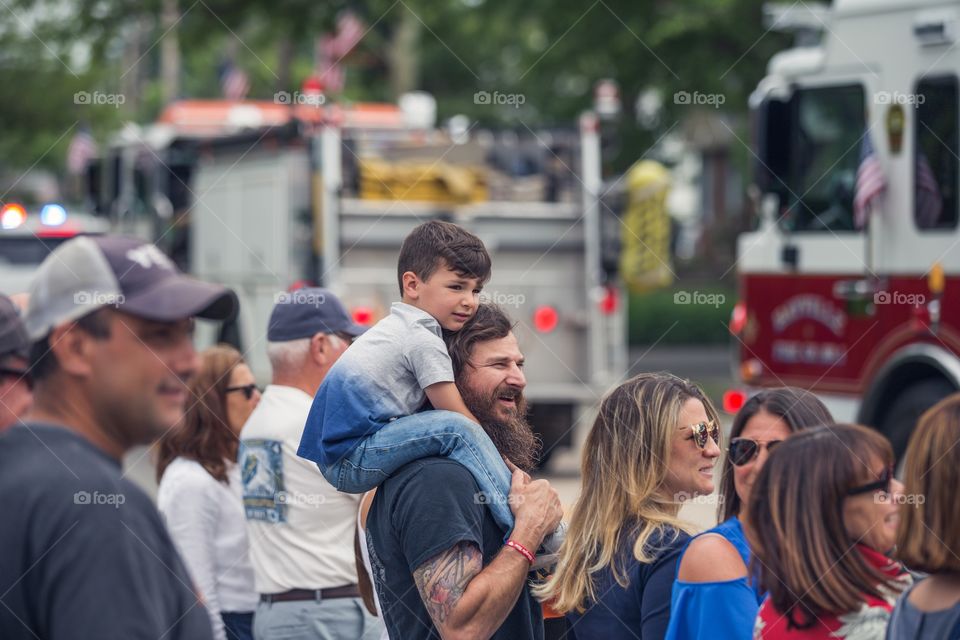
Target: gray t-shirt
(909, 623)
(84, 552)
(380, 377)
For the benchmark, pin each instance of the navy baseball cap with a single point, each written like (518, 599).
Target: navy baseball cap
(13, 335)
(306, 312)
(90, 272)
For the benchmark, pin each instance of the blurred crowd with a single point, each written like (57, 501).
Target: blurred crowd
(250, 537)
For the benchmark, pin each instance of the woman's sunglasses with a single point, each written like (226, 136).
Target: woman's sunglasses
(247, 390)
(883, 484)
(703, 430)
(743, 450)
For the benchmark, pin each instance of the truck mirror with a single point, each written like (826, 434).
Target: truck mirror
(772, 129)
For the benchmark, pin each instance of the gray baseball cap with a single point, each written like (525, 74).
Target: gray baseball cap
(91, 272)
(13, 335)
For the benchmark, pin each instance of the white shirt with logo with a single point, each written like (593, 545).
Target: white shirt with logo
(300, 527)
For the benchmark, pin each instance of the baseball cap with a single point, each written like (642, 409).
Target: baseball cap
(13, 335)
(90, 272)
(308, 311)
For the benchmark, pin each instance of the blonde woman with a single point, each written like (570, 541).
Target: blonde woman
(654, 444)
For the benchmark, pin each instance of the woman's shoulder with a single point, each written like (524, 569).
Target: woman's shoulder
(185, 474)
(715, 555)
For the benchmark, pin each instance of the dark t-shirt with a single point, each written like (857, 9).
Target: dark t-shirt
(426, 508)
(642, 609)
(83, 552)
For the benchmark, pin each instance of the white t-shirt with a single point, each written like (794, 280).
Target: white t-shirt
(301, 528)
(205, 519)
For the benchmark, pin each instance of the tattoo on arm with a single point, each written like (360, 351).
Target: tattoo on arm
(443, 578)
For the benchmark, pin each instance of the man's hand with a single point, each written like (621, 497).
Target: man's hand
(536, 509)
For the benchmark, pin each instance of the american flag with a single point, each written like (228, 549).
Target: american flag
(233, 81)
(871, 182)
(82, 149)
(349, 33)
(929, 203)
(329, 70)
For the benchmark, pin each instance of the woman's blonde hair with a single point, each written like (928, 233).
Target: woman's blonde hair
(625, 462)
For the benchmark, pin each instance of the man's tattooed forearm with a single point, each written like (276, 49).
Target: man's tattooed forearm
(443, 579)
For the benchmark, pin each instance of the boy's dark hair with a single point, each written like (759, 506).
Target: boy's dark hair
(434, 243)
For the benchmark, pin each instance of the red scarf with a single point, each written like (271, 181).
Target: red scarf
(867, 623)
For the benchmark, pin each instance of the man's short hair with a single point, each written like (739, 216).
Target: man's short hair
(43, 362)
(488, 323)
(434, 243)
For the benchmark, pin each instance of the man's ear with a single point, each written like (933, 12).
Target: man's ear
(72, 348)
(319, 349)
(411, 285)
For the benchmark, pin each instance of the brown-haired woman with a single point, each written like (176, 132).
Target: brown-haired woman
(713, 570)
(823, 514)
(654, 443)
(928, 538)
(200, 491)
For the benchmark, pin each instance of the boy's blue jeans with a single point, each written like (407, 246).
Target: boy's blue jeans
(422, 435)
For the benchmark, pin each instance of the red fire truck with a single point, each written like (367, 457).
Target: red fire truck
(850, 286)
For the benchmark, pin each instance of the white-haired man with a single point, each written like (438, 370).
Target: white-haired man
(301, 528)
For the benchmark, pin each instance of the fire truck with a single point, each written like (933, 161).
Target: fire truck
(850, 285)
(264, 197)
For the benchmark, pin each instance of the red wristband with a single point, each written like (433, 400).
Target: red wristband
(513, 544)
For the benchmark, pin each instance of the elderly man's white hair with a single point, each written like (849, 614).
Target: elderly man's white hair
(287, 356)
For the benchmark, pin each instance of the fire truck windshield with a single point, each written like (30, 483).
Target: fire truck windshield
(827, 132)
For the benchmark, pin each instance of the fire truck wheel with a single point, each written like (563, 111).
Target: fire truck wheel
(901, 417)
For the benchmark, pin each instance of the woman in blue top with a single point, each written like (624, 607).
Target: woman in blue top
(712, 573)
(656, 437)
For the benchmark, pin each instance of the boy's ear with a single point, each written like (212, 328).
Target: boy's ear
(411, 285)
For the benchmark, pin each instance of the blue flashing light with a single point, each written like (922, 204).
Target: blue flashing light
(53, 215)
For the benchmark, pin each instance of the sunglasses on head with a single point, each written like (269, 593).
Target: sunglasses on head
(743, 450)
(883, 484)
(247, 390)
(703, 430)
(346, 337)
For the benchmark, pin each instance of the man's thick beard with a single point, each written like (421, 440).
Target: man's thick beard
(513, 438)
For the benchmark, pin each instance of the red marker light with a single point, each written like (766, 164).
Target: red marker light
(545, 319)
(733, 400)
(610, 301)
(738, 318)
(363, 315)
